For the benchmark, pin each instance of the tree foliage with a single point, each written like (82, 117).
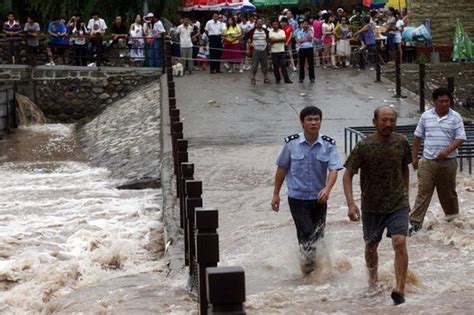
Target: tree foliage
(107, 9)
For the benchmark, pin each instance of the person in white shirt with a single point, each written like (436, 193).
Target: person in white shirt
(96, 28)
(277, 40)
(156, 57)
(184, 32)
(214, 30)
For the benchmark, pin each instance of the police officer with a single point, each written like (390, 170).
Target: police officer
(305, 161)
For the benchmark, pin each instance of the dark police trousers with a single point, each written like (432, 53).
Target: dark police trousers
(215, 52)
(279, 63)
(306, 54)
(310, 221)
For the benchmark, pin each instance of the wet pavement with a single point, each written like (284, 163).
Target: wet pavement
(235, 130)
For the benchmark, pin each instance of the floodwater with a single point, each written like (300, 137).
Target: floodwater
(238, 181)
(65, 227)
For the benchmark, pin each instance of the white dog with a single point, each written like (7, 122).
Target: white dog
(178, 70)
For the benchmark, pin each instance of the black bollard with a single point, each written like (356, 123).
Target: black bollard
(172, 102)
(207, 250)
(377, 62)
(451, 89)
(193, 201)
(176, 133)
(226, 290)
(398, 74)
(422, 74)
(187, 173)
(171, 89)
(163, 54)
(174, 115)
(181, 157)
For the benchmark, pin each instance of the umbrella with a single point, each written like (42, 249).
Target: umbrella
(267, 3)
(375, 4)
(247, 6)
(397, 4)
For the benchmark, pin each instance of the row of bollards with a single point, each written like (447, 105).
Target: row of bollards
(398, 79)
(221, 290)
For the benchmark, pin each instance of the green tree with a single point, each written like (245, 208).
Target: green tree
(108, 9)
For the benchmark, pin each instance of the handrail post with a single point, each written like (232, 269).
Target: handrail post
(193, 200)
(226, 290)
(181, 157)
(451, 89)
(377, 61)
(398, 74)
(422, 75)
(176, 133)
(207, 250)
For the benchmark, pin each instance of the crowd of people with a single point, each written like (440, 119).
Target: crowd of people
(245, 41)
(91, 43)
(239, 41)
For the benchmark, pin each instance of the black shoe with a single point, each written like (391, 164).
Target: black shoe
(300, 81)
(415, 228)
(288, 81)
(312, 80)
(219, 71)
(277, 81)
(397, 298)
(213, 72)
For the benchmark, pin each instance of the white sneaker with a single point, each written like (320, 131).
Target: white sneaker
(92, 64)
(226, 65)
(294, 69)
(241, 70)
(247, 68)
(51, 63)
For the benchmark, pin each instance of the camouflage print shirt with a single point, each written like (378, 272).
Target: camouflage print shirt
(381, 180)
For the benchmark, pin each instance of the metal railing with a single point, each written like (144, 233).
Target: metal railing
(108, 53)
(7, 110)
(220, 289)
(352, 135)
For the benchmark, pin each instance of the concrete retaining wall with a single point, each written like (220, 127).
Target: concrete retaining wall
(69, 94)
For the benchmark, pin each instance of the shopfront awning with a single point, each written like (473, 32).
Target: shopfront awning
(268, 3)
(211, 5)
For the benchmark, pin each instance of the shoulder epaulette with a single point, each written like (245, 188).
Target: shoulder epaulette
(292, 137)
(329, 139)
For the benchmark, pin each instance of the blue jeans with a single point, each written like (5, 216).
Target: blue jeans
(155, 57)
(310, 220)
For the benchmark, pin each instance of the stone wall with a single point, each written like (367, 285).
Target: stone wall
(69, 94)
(443, 15)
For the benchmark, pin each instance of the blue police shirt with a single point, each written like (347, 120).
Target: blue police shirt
(308, 164)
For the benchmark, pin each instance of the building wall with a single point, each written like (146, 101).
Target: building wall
(443, 15)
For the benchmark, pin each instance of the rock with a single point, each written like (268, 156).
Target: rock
(143, 183)
(104, 96)
(98, 90)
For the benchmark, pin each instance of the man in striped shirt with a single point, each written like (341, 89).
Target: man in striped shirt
(443, 132)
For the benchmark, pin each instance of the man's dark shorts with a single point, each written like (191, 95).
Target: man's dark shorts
(57, 49)
(391, 42)
(374, 225)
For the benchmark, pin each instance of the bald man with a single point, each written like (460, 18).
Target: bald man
(383, 160)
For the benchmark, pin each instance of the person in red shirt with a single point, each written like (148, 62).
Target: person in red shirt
(289, 35)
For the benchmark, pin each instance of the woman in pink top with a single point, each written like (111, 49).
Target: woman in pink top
(328, 40)
(317, 39)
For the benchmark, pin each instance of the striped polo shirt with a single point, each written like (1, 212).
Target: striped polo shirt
(439, 132)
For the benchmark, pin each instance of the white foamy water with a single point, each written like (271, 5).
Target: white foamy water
(64, 226)
(238, 182)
